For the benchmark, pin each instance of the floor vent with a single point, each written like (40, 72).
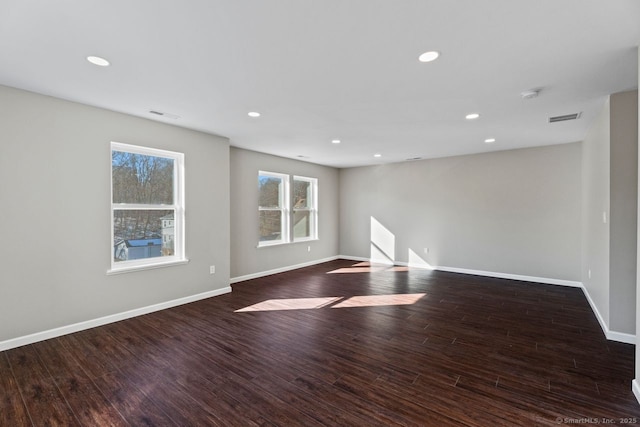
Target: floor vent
(564, 118)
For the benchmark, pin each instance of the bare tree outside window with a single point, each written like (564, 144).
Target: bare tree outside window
(144, 208)
(271, 188)
(288, 208)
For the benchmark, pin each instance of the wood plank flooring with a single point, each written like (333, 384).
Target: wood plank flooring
(337, 344)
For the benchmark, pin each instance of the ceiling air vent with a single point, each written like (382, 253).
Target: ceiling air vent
(564, 118)
(163, 114)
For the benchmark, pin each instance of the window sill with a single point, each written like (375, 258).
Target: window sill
(267, 245)
(310, 239)
(132, 268)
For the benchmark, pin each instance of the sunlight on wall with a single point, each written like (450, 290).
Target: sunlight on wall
(383, 243)
(416, 261)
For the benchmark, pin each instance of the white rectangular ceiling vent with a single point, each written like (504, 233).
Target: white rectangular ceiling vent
(564, 118)
(163, 114)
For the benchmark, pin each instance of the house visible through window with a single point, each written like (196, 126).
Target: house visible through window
(147, 206)
(287, 214)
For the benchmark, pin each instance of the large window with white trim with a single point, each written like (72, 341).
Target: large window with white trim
(288, 208)
(147, 207)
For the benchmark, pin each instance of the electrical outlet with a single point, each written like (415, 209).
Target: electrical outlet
(212, 269)
(604, 217)
(309, 248)
(589, 273)
(426, 251)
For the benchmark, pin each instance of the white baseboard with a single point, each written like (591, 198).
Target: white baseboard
(609, 334)
(546, 280)
(280, 270)
(621, 337)
(519, 277)
(354, 258)
(635, 387)
(81, 326)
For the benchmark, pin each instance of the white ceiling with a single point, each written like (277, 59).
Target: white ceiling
(318, 70)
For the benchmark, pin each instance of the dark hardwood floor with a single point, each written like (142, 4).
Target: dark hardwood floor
(337, 344)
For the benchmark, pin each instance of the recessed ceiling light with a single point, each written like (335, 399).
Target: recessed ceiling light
(253, 114)
(96, 60)
(377, 155)
(429, 56)
(472, 116)
(490, 140)
(335, 141)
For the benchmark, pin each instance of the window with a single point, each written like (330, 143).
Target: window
(273, 203)
(281, 221)
(304, 208)
(147, 207)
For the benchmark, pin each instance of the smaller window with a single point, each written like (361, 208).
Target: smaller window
(305, 208)
(273, 189)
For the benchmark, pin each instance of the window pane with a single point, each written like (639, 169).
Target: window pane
(269, 188)
(270, 225)
(301, 224)
(138, 178)
(142, 234)
(301, 194)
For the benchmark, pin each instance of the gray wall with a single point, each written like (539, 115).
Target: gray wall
(624, 204)
(246, 257)
(514, 212)
(595, 202)
(55, 186)
(610, 187)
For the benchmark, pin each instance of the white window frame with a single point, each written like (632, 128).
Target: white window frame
(284, 194)
(178, 206)
(312, 209)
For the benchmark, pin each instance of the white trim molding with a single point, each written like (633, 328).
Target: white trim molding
(280, 270)
(611, 335)
(81, 326)
(519, 277)
(635, 387)
(545, 280)
(353, 258)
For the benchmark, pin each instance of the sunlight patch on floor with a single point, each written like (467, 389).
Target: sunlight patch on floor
(345, 302)
(379, 300)
(291, 304)
(367, 267)
(372, 269)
